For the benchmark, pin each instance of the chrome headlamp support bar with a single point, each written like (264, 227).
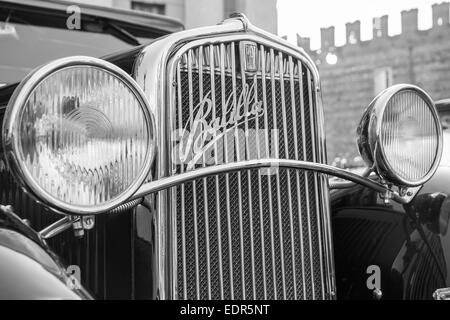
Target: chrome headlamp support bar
(78, 223)
(168, 182)
(58, 227)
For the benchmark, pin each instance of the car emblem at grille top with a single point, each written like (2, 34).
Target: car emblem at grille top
(249, 56)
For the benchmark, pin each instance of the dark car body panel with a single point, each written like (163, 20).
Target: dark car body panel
(115, 258)
(410, 243)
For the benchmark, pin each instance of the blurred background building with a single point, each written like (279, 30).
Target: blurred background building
(354, 73)
(197, 13)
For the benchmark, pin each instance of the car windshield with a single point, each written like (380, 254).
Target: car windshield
(24, 46)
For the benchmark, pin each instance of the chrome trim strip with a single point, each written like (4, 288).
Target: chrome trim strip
(326, 213)
(269, 177)
(314, 123)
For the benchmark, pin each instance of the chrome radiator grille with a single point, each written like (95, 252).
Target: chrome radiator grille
(253, 234)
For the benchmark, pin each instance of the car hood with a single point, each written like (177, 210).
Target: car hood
(123, 59)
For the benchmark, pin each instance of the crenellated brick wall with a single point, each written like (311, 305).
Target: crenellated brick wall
(420, 57)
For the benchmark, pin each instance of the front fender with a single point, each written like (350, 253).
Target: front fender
(408, 243)
(28, 269)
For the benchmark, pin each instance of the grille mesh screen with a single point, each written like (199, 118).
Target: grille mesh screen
(252, 234)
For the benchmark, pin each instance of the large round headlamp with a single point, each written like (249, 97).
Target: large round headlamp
(401, 135)
(79, 135)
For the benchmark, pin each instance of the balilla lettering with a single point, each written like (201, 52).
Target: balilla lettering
(210, 139)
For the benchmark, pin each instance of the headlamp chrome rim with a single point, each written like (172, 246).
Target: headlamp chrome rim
(11, 137)
(369, 136)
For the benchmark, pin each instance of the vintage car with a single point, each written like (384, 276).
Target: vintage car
(139, 160)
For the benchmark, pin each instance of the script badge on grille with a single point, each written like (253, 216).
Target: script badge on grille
(248, 53)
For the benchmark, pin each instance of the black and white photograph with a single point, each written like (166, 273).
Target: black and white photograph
(222, 150)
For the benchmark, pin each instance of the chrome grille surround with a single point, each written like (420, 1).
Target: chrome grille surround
(157, 67)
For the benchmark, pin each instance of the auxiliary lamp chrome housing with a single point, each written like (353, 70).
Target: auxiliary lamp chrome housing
(400, 136)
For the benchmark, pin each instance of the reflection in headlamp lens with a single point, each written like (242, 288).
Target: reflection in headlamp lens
(409, 135)
(83, 136)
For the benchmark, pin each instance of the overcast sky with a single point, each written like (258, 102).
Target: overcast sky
(306, 17)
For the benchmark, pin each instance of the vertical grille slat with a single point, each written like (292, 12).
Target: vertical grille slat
(205, 183)
(291, 290)
(181, 284)
(299, 258)
(310, 281)
(194, 183)
(219, 231)
(316, 230)
(260, 227)
(240, 275)
(252, 234)
(279, 218)
(227, 179)
(249, 266)
(268, 183)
